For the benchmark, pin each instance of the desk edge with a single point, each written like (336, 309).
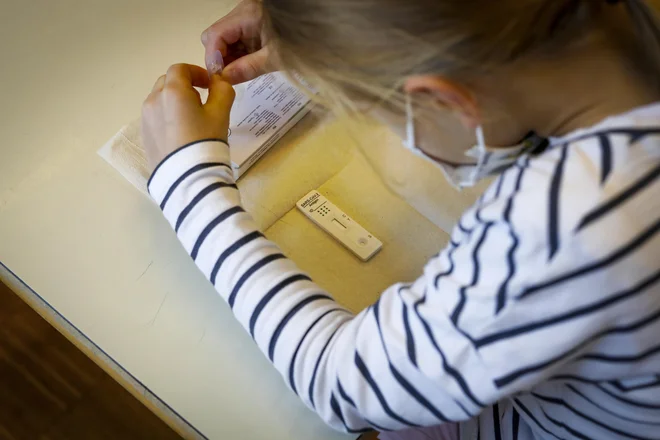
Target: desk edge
(98, 356)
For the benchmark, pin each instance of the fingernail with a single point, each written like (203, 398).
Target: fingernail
(205, 37)
(215, 63)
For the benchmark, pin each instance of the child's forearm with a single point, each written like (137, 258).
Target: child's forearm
(290, 318)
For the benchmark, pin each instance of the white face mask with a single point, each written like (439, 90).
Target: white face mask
(488, 160)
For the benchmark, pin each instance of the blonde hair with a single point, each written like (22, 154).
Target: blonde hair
(366, 48)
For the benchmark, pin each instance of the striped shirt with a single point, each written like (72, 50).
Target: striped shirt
(539, 320)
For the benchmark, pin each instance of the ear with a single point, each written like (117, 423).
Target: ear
(447, 94)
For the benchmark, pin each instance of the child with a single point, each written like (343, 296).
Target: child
(541, 317)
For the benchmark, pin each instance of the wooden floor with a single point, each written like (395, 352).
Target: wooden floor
(49, 390)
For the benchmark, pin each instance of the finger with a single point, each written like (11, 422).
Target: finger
(221, 96)
(248, 67)
(160, 83)
(213, 54)
(222, 34)
(187, 75)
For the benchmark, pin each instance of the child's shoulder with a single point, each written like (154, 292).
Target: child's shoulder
(598, 185)
(610, 170)
(595, 194)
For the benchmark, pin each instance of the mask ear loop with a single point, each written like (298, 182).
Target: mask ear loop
(481, 139)
(410, 124)
(483, 153)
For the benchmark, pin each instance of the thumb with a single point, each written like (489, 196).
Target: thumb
(221, 96)
(248, 67)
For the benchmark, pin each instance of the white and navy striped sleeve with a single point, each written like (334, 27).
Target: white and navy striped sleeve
(480, 324)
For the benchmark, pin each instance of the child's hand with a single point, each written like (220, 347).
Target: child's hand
(240, 39)
(173, 114)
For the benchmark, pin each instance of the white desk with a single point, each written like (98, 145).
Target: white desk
(97, 259)
(92, 252)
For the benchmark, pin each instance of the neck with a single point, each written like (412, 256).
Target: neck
(584, 89)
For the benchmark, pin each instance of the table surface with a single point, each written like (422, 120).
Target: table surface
(92, 253)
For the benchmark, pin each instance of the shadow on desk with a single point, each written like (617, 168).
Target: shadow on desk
(49, 390)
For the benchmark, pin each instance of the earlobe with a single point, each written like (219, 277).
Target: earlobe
(447, 94)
